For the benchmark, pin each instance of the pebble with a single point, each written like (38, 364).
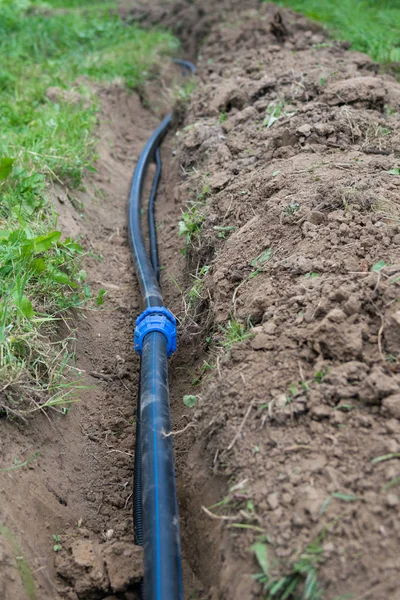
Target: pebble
(273, 501)
(304, 129)
(392, 405)
(392, 500)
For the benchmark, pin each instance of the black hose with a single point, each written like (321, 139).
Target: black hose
(151, 215)
(156, 523)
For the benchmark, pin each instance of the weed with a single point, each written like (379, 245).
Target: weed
(189, 400)
(290, 209)
(222, 117)
(234, 332)
(259, 261)
(274, 113)
(191, 222)
(205, 368)
(183, 93)
(18, 464)
(195, 293)
(223, 231)
(57, 542)
(378, 266)
(300, 582)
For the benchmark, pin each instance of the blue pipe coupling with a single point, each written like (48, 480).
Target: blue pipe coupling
(156, 318)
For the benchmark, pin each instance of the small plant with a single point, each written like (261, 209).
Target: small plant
(290, 209)
(258, 262)
(190, 224)
(234, 332)
(223, 231)
(57, 542)
(301, 583)
(222, 117)
(275, 111)
(196, 291)
(184, 92)
(190, 401)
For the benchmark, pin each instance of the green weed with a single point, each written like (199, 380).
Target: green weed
(234, 332)
(191, 223)
(195, 293)
(301, 583)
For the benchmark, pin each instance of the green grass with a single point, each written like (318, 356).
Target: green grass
(300, 583)
(67, 46)
(372, 26)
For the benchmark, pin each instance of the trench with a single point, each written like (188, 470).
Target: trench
(81, 482)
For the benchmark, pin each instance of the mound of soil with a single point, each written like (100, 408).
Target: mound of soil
(296, 141)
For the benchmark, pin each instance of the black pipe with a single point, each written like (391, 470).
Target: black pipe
(147, 279)
(151, 216)
(162, 570)
(156, 523)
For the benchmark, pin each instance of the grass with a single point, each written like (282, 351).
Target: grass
(300, 583)
(234, 332)
(42, 140)
(372, 26)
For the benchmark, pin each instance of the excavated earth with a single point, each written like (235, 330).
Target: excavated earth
(299, 230)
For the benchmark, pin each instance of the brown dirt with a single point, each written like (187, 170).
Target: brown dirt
(291, 416)
(295, 414)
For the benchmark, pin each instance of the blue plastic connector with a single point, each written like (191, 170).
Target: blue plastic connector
(156, 318)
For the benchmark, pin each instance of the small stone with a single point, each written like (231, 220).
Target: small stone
(323, 128)
(304, 130)
(273, 501)
(392, 333)
(392, 500)
(392, 405)
(320, 411)
(262, 341)
(336, 315)
(269, 327)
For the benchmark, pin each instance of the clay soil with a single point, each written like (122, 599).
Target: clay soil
(299, 231)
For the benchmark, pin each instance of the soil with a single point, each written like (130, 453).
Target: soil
(288, 421)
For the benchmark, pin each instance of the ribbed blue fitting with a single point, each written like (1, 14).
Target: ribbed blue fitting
(156, 318)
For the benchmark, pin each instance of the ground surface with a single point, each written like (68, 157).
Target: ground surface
(296, 314)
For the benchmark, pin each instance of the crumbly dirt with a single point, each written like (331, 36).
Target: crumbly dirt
(295, 413)
(288, 420)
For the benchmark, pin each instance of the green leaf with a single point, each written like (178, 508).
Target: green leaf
(61, 277)
(379, 265)
(345, 497)
(25, 307)
(39, 265)
(6, 165)
(262, 258)
(275, 173)
(182, 228)
(189, 400)
(261, 552)
(385, 457)
(395, 171)
(100, 297)
(44, 242)
(4, 234)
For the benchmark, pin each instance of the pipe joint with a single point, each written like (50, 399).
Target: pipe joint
(155, 318)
